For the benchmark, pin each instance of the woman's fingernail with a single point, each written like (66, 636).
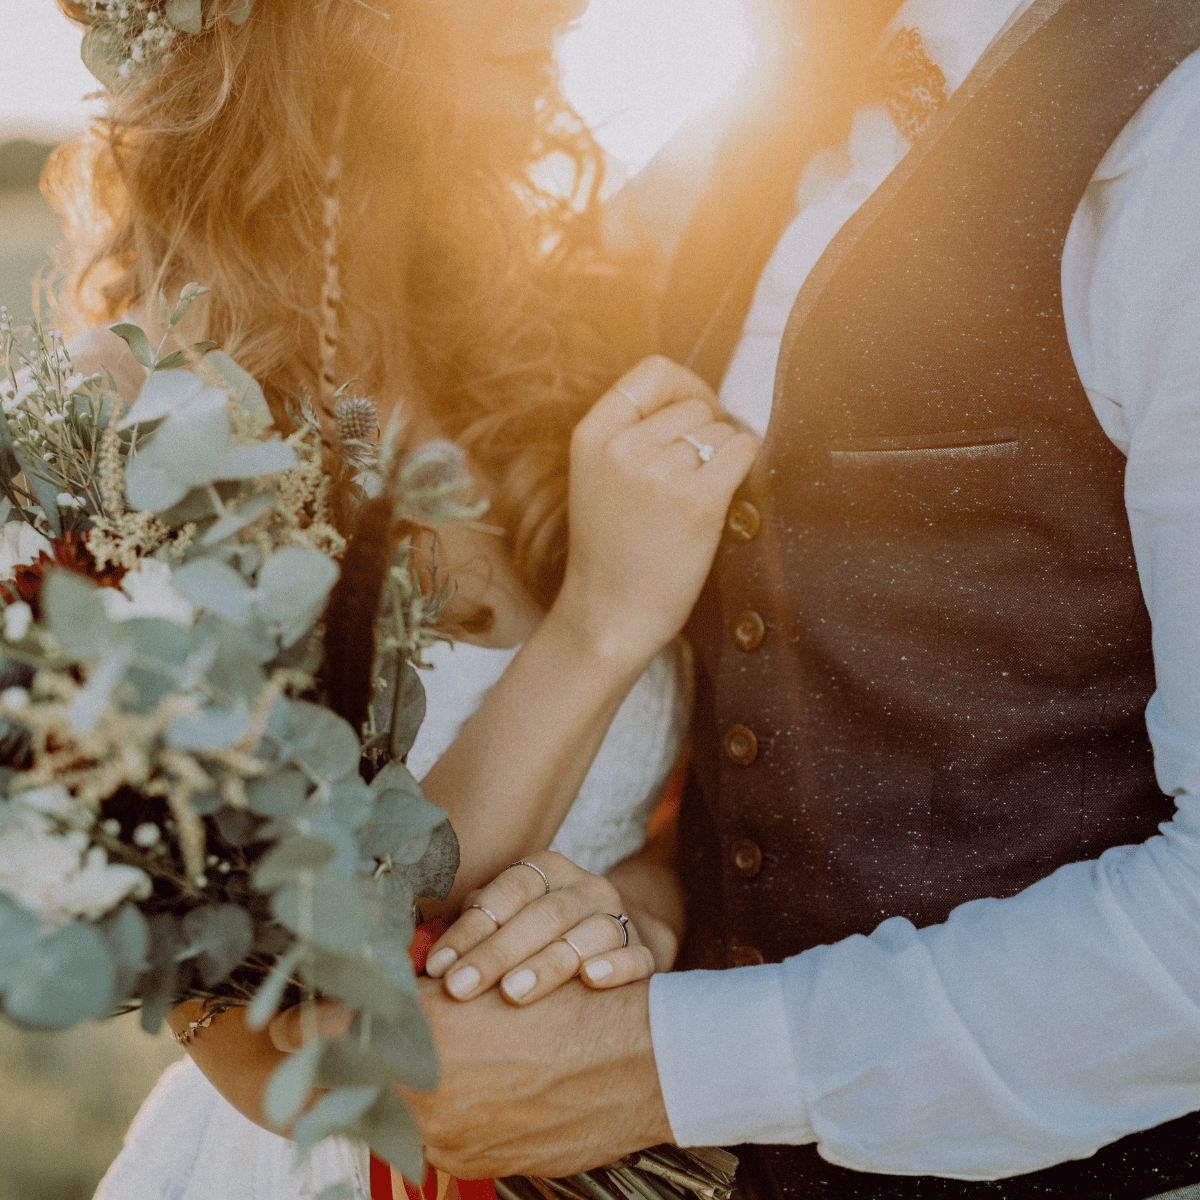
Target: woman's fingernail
(463, 982)
(598, 969)
(436, 964)
(519, 983)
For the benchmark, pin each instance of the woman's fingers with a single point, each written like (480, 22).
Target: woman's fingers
(618, 967)
(498, 903)
(540, 925)
(653, 384)
(593, 943)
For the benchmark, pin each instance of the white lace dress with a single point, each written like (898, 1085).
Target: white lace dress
(187, 1143)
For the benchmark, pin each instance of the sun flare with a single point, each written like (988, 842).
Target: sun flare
(638, 69)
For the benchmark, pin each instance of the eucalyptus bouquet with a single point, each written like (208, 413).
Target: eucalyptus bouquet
(183, 816)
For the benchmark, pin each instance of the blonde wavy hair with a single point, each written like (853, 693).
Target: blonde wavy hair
(456, 265)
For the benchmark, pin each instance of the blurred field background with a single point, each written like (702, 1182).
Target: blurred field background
(65, 1098)
(635, 69)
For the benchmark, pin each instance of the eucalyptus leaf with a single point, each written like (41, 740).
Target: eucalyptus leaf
(164, 307)
(346, 856)
(75, 615)
(185, 357)
(214, 587)
(219, 936)
(403, 1046)
(360, 983)
(433, 875)
(137, 341)
(46, 492)
(89, 705)
(266, 1000)
(283, 864)
(390, 1129)
(338, 914)
(167, 392)
(66, 977)
(186, 451)
(390, 954)
(157, 987)
(397, 1052)
(279, 795)
(349, 804)
(191, 291)
(408, 711)
(290, 1083)
(237, 826)
(251, 462)
(128, 934)
(241, 384)
(294, 586)
(210, 729)
(335, 1111)
(229, 524)
(338, 1191)
(19, 933)
(400, 824)
(316, 737)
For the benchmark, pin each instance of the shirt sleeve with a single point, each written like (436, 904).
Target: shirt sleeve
(1032, 1030)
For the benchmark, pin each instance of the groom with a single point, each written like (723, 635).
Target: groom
(946, 919)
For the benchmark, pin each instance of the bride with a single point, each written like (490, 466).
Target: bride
(358, 184)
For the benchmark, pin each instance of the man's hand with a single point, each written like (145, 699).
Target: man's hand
(564, 1086)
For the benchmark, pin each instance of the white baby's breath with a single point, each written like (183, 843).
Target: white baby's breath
(17, 618)
(147, 591)
(20, 544)
(56, 876)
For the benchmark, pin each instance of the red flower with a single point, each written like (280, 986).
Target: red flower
(69, 551)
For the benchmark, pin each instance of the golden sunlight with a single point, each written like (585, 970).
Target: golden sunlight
(638, 69)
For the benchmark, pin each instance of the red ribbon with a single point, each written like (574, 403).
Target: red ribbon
(437, 1185)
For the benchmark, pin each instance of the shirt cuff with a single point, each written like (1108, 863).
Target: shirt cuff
(723, 1048)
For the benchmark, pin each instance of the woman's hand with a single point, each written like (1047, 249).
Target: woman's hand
(647, 506)
(534, 935)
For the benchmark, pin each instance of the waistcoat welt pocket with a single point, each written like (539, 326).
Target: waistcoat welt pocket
(959, 444)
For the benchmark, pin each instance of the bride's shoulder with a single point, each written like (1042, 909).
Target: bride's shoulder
(100, 351)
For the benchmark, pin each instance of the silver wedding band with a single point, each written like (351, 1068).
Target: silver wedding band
(703, 449)
(487, 912)
(623, 920)
(524, 862)
(574, 947)
(629, 396)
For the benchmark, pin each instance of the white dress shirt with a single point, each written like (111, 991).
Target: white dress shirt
(1035, 1029)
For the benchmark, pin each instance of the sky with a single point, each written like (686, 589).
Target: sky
(635, 69)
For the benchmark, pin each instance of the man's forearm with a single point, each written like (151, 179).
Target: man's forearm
(561, 1087)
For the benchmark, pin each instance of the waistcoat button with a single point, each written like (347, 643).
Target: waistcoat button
(741, 745)
(744, 520)
(747, 858)
(749, 630)
(747, 956)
